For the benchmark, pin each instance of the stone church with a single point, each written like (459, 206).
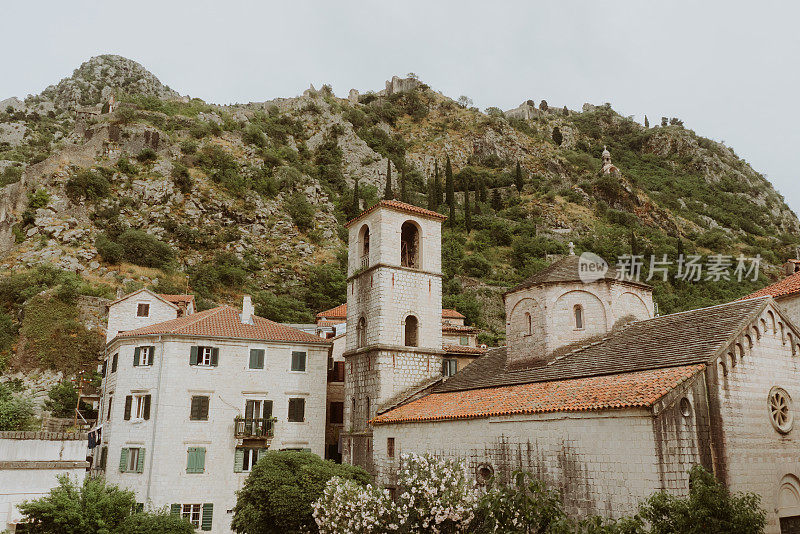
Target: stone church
(596, 395)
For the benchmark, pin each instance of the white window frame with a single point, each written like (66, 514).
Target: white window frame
(250, 459)
(204, 355)
(137, 406)
(146, 355)
(193, 513)
(133, 459)
(147, 310)
(448, 362)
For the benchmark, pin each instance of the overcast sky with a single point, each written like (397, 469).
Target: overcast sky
(729, 70)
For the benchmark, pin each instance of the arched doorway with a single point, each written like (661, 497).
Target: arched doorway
(411, 331)
(789, 505)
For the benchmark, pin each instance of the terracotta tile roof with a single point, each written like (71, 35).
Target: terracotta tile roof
(340, 311)
(463, 349)
(224, 321)
(685, 338)
(328, 323)
(337, 312)
(451, 314)
(454, 328)
(177, 299)
(782, 288)
(624, 390)
(399, 206)
(565, 269)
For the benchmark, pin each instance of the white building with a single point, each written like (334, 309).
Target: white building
(29, 465)
(188, 403)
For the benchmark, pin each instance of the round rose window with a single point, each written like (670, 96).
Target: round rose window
(780, 410)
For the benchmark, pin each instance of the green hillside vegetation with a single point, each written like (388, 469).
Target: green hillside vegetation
(517, 191)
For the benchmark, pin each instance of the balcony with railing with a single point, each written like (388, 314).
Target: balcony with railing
(249, 428)
(365, 261)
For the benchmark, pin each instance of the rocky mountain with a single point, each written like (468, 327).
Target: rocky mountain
(154, 189)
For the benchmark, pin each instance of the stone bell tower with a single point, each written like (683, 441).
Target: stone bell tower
(394, 314)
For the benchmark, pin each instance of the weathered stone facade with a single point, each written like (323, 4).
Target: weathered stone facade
(394, 315)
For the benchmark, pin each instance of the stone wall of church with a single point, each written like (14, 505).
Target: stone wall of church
(603, 462)
(552, 311)
(757, 457)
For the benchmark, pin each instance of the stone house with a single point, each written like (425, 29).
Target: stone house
(593, 393)
(190, 401)
(29, 465)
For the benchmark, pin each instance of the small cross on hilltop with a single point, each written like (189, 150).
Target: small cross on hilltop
(571, 246)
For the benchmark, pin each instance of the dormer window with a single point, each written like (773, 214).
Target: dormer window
(143, 310)
(578, 310)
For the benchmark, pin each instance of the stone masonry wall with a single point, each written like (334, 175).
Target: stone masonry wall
(603, 462)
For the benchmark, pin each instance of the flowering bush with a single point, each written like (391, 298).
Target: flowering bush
(348, 507)
(438, 496)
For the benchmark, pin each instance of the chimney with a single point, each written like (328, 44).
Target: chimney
(247, 310)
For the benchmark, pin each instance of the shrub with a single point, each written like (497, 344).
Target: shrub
(476, 265)
(326, 287)
(10, 175)
(62, 400)
(300, 210)
(181, 178)
(709, 504)
(141, 248)
(558, 137)
(147, 155)
(111, 251)
(160, 522)
(349, 507)
(16, 411)
(87, 184)
(226, 270)
(277, 497)
(126, 167)
(39, 199)
(188, 146)
(281, 308)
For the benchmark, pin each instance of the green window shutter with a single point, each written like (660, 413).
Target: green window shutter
(214, 356)
(140, 462)
(146, 414)
(260, 358)
(123, 459)
(204, 408)
(103, 457)
(191, 462)
(298, 361)
(128, 402)
(208, 513)
(152, 354)
(193, 356)
(201, 459)
(267, 409)
(175, 509)
(136, 352)
(193, 410)
(238, 460)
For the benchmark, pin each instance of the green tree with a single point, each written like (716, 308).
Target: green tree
(646, 122)
(558, 138)
(355, 208)
(278, 494)
(93, 507)
(497, 200)
(403, 193)
(159, 522)
(16, 411)
(387, 193)
(519, 181)
(709, 509)
(431, 188)
(467, 210)
(543, 105)
(141, 248)
(437, 181)
(281, 308)
(450, 191)
(326, 287)
(62, 400)
(300, 210)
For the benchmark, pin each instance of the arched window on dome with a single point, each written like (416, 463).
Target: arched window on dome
(578, 312)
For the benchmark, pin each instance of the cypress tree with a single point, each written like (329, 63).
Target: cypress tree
(403, 196)
(467, 211)
(437, 184)
(646, 122)
(387, 194)
(518, 181)
(450, 193)
(431, 194)
(481, 190)
(356, 207)
(497, 200)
